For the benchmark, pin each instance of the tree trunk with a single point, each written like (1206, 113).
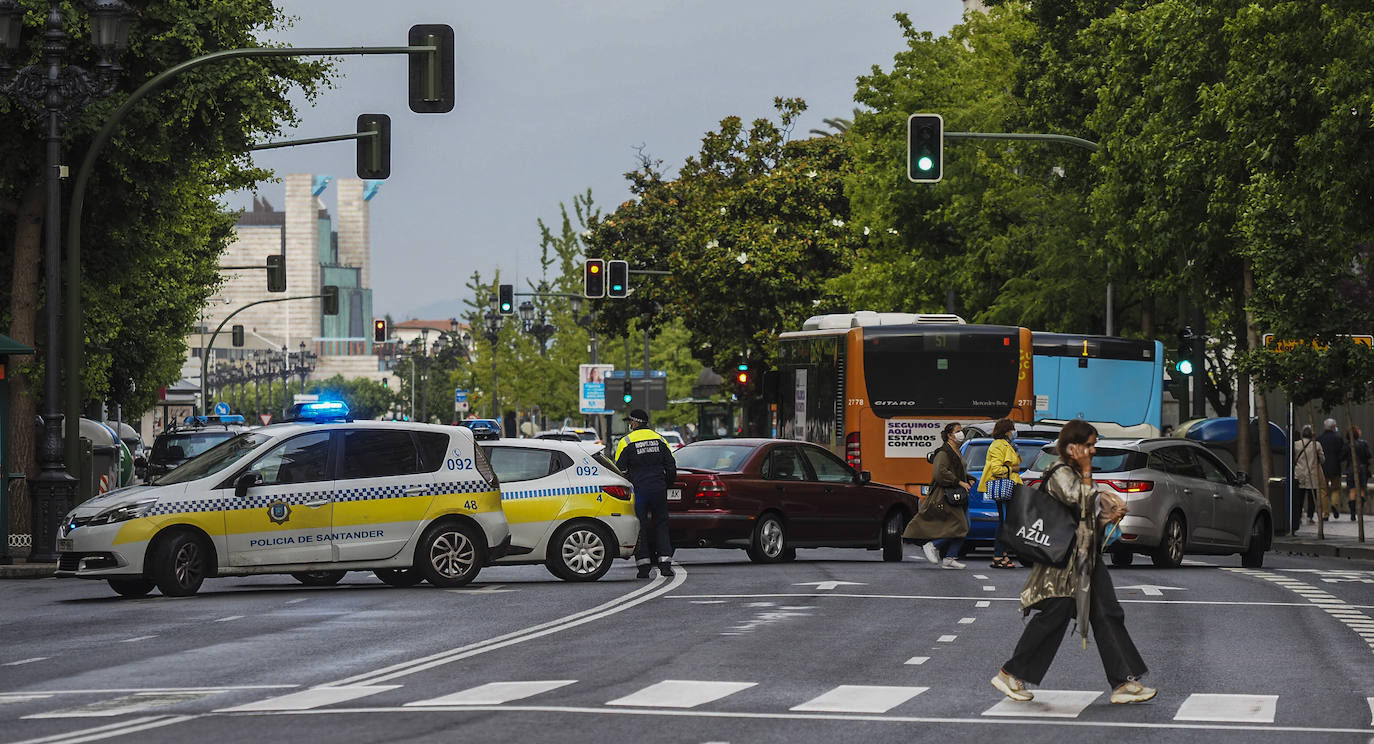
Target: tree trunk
(23, 319)
(1147, 317)
(1261, 405)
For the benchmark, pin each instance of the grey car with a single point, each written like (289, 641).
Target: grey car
(1182, 499)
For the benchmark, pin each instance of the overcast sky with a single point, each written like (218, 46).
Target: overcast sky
(553, 97)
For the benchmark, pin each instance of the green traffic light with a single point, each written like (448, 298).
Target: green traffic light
(1184, 366)
(925, 163)
(628, 397)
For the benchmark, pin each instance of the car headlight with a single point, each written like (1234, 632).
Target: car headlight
(123, 513)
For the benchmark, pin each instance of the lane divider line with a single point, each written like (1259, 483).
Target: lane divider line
(109, 731)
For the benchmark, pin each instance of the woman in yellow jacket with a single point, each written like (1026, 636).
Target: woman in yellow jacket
(1003, 461)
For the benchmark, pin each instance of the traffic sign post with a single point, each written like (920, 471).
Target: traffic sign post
(460, 400)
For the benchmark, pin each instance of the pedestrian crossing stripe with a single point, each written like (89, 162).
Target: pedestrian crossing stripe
(1216, 708)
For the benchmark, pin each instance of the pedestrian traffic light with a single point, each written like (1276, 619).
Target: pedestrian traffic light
(237, 334)
(506, 299)
(374, 146)
(925, 137)
(617, 278)
(431, 73)
(594, 278)
(330, 300)
(379, 331)
(276, 273)
(628, 391)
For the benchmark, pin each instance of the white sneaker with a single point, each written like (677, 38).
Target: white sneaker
(951, 563)
(931, 555)
(1012, 687)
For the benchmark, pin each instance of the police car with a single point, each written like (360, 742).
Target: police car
(567, 508)
(315, 497)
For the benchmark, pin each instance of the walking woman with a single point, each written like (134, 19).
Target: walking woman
(1308, 458)
(938, 524)
(1081, 587)
(1003, 462)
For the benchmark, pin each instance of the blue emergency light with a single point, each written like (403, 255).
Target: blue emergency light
(323, 410)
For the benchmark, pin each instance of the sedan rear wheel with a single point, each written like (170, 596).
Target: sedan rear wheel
(769, 542)
(892, 536)
(450, 555)
(580, 552)
(1169, 554)
(1253, 557)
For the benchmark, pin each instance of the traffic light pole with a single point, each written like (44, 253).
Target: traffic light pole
(205, 349)
(314, 140)
(73, 338)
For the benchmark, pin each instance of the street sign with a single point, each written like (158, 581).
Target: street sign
(222, 408)
(265, 418)
(591, 388)
(460, 399)
(1285, 344)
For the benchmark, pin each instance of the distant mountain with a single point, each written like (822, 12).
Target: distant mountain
(439, 309)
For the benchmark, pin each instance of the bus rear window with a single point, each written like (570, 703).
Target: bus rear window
(938, 372)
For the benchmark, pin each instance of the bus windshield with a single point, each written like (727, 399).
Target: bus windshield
(941, 371)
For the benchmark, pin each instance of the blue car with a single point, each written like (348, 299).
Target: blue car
(982, 511)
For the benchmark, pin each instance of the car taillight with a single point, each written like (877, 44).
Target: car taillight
(851, 451)
(1130, 486)
(619, 492)
(711, 488)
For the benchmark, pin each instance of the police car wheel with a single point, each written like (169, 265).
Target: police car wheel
(132, 587)
(319, 578)
(450, 554)
(180, 563)
(580, 552)
(401, 577)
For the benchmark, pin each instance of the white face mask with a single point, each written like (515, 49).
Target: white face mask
(959, 435)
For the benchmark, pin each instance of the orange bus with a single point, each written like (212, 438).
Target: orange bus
(877, 388)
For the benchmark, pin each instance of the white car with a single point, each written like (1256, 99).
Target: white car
(590, 440)
(673, 438)
(568, 509)
(314, 498)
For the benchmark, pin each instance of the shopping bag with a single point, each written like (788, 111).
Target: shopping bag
(1039, 528)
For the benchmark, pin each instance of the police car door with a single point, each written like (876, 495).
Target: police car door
(385, 490)
(534, 488)
(286, 518)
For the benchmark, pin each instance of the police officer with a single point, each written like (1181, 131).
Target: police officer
(647, 460)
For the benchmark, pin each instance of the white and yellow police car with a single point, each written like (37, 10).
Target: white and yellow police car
(567, 508)
(314, 498)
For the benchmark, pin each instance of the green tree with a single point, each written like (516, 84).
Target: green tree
(160, 226)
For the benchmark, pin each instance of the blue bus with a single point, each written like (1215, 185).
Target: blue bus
(1099, 379)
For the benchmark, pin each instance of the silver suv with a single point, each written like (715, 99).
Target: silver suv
(1182, 499)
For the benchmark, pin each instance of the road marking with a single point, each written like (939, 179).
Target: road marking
(654, 589)
(966, 620)
(1338, 609)
(1047, 704)
(296, 601)
(946, 639)
(1371, 710)
(136, 703)
(123, 690)
(22, 662)
(861, 699)
(922, 597)
(989, 588)
(760, 604)
(828, 585)
(231, 617)
(307, 699)
(681, 693)
(980, 577)
(709, 601)
(495, 693)
(138, 638)
(982, 603)
(1152, 590)
(918, 660)
(21, 697)
(109, 730)
(1228, 708)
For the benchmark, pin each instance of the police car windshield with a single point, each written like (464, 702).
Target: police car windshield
(215, 459)
(192, 443)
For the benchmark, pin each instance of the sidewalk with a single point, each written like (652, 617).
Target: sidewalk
(1341, 539)
(22, 570)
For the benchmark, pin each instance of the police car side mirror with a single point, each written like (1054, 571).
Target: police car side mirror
(245, 482)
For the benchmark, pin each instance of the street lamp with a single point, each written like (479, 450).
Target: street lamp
(541, 330)
(56, 92)
(494, 321)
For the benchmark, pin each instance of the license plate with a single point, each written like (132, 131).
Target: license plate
(675, 494)
(65, 545)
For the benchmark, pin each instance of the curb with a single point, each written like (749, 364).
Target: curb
(1356, 552)
(28, 571)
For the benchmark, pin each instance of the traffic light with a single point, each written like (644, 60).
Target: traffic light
(506, 299)
(628, 391)
(925, 137)
(594, 278)
(374, 151)
(617, 278)
(379, 331)
(330, 300)
(237, 333)
(1186, 342)
(431, 73)
(276, 273)
(742, 376)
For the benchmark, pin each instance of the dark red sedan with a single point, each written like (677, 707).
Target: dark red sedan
(772, 496)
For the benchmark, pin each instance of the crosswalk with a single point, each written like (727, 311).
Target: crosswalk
(684, 695)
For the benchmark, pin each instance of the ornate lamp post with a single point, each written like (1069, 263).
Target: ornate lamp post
(285, 370)
(305, 364)
(494, 321)
(56, 92)
(541, 330)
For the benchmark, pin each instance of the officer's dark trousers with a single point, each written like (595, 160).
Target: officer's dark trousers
(653, 545)
(1045, 631)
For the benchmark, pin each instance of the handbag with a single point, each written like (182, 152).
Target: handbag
(1039, 528)
(1001, 489)
(956, 496)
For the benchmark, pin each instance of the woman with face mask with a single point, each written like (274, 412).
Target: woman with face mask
(939, 527)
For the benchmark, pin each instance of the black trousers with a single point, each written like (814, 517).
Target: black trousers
(1045, 631)
(654, 544)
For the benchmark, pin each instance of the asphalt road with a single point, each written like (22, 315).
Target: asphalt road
(837, 646)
